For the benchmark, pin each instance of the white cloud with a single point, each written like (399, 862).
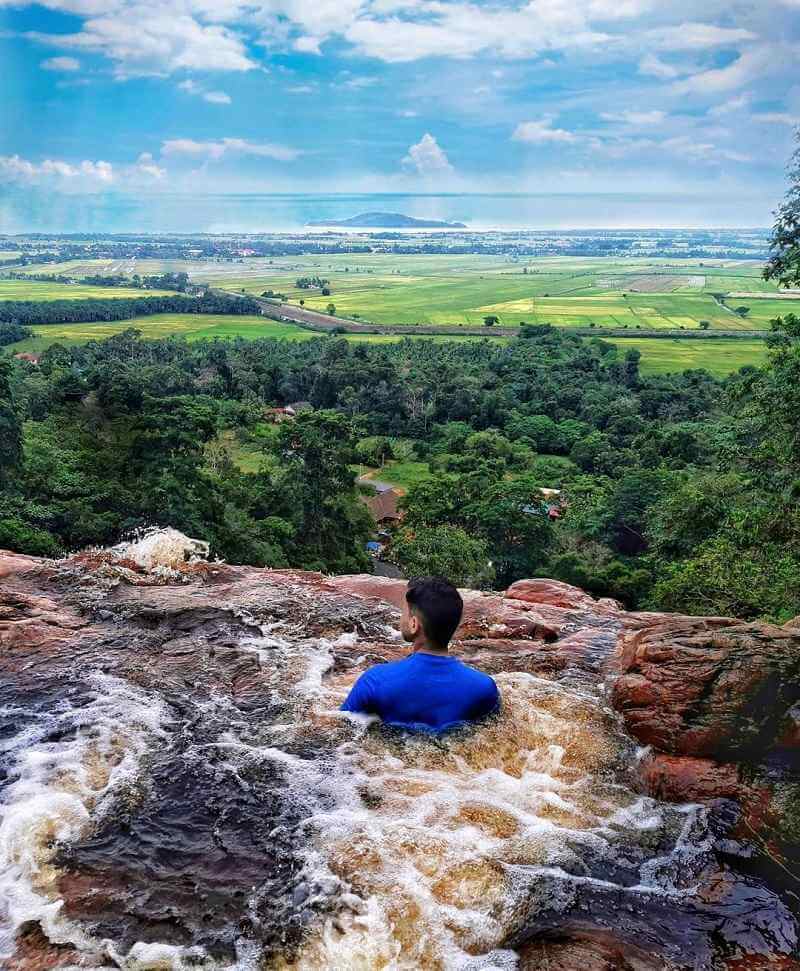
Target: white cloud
(214, 97)
(542, 132)
(407, 113)
(85, 175)
(301, 89)
(427, 158)
(61, 64)
(357, 83)
(463, 30)
(731, 105)
(307, 44)
(653, 66)
(777, 118)
(16, 169)
(697, 36)
(143, 39)
(688, 147)
(653, 117)
(750, 65)
(215, 150)
(146, 165)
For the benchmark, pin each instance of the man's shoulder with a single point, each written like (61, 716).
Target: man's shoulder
(386, 669)
(476, 673)
(480, 682)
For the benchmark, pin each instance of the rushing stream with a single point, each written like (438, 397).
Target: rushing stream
(182, 792)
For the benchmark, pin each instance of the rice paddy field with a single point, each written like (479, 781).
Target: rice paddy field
(39, 290)
(568, 292)
(385, 288)
(189, 326)
(719, 357)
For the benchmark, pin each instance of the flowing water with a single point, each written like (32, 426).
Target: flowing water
(201, 803)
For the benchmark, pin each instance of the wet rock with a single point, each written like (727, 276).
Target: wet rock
(789, 732)
(600, 954)
(36, 953)
(707, 693)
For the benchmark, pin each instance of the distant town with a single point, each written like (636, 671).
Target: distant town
(36, 248)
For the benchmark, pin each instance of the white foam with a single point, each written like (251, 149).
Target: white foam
(58, 788)
(162, 549)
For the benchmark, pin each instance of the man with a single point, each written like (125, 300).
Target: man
(430, 690)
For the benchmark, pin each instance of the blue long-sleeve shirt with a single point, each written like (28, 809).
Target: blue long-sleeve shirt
(428, 692)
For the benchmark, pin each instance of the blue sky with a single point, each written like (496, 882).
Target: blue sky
(142, 97)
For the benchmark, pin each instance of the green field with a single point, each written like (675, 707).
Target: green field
(190, 326)
(639, 294)
(400, 474)
(633, 293)
(37, 290)
(718, 356)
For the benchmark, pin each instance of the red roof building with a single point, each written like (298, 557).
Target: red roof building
(383, 506)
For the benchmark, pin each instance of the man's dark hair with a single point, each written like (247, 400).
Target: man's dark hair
(439, 606)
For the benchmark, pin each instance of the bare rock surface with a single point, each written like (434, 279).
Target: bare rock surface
(723, 693)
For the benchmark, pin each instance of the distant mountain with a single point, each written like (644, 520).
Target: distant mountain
(387, 220)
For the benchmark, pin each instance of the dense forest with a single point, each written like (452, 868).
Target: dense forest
(680, 491)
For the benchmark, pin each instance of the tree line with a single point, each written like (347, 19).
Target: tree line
(120, 308)
(160, 281)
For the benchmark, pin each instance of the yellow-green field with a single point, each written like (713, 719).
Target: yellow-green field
(637, 294)
(38, 290)
(436, 289)
(190, 326)
(718, 356)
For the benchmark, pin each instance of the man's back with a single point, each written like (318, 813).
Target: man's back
(424, 691)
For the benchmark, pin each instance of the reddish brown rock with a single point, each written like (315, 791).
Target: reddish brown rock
(678, 778)
(599, 953)
(558, 594)
(762, 962)
(380, 588)
(770, 810)
(485, 614)
(193, 640)
(707, 693)
(789, 736)
(16, 563)
(34, 952)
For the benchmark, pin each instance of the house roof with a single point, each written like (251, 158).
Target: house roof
(383, 505)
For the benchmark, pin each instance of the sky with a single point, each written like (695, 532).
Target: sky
(142, 99)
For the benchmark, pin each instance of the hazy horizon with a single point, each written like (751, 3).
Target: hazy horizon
(254, 212)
